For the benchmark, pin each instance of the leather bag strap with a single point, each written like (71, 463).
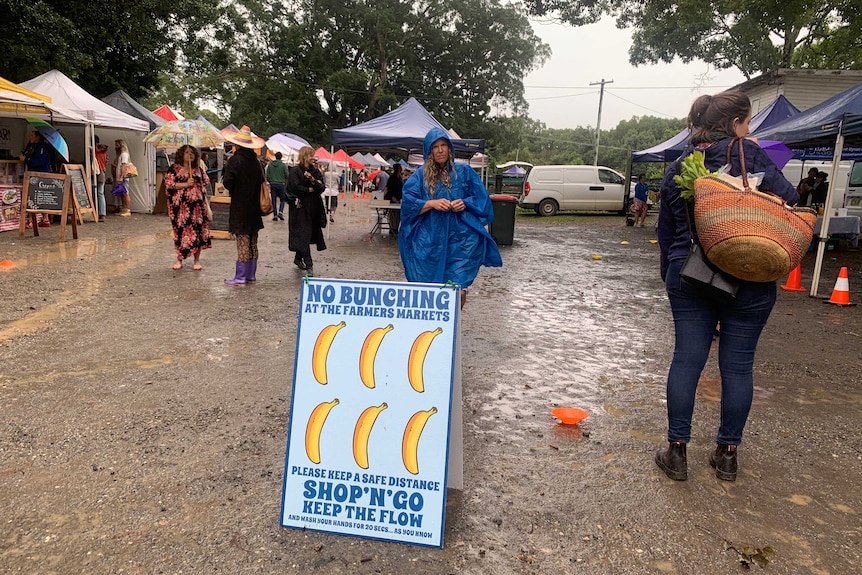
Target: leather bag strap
(742, 165)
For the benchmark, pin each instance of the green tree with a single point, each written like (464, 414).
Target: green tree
(519, 138)
(313, 65)
(102, 45)
(727, 34)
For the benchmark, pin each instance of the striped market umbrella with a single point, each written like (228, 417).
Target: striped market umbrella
(51, 135)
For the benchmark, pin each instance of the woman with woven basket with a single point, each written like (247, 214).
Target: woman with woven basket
(715, 122)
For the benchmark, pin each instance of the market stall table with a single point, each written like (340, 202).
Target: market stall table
(381, 207)
(845, 227)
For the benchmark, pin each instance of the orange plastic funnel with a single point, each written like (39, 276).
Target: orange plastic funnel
(569, 415)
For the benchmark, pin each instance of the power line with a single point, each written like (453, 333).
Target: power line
(639, 105)
(564, 96)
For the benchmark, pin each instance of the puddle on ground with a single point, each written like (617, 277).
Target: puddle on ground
(566, 433)
(574, 336)
(97, 370)
(615, 411)
(90, 286)
(88, 247)
(650, 436)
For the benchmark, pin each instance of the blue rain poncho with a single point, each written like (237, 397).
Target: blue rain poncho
(440, 247)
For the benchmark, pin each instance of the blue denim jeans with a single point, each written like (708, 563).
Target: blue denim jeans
(695, 317)
(276, 191)
(100, 196)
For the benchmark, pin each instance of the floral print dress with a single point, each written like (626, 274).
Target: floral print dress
(187, 210)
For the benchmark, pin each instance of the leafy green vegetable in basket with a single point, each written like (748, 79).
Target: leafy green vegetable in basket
(691, 168)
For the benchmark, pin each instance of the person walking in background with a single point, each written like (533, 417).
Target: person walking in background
(101, 165)
(37, 154)
(121, 182)
(394, 192)
(243, 176)
(306, 215)
(186, 185)
(330, 192)
(276, 175)
(715, 122)
(444, 210)
(640, 201)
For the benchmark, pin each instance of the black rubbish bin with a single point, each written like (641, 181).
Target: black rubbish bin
(503, 227)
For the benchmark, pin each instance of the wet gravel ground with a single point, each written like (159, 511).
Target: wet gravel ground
(143, 413)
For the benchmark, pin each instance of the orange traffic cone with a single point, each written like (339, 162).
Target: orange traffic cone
(794, 280)
(841, 293)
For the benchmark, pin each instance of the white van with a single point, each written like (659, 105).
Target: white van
(549, 189)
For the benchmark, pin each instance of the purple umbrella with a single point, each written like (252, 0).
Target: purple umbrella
(777, 152)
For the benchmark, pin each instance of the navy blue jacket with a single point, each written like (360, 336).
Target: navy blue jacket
(673, 236)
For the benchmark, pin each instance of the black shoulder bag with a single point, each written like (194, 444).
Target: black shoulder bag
(699, 271)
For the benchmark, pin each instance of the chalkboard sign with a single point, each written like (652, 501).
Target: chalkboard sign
(81, 191)
(221, 217)
(45, 192)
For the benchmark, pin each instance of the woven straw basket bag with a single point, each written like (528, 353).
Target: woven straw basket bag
(749, 234)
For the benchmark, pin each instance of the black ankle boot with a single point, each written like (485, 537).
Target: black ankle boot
(673, 461)
(299, 263)
(724, 461)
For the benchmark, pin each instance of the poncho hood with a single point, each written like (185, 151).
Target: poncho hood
(432, 136)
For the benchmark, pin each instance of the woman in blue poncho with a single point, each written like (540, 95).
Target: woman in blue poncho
(444, 211)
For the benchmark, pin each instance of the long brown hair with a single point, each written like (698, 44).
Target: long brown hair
(717, 114)
(435, 172)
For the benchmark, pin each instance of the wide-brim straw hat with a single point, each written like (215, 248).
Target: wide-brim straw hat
(244, 137)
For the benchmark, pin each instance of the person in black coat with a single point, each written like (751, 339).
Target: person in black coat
(820, 191)
(394, 193)
(306, 214)
(243, 176)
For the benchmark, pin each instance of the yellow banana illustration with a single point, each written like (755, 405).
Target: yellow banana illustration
(369, 353)
(410, 443)
(416, 361)
(315, 427)
(321, 351)
(362, 433)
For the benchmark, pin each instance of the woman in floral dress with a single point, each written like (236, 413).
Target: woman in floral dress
(186, 184)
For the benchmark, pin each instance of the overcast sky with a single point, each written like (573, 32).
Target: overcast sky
(560, 94)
